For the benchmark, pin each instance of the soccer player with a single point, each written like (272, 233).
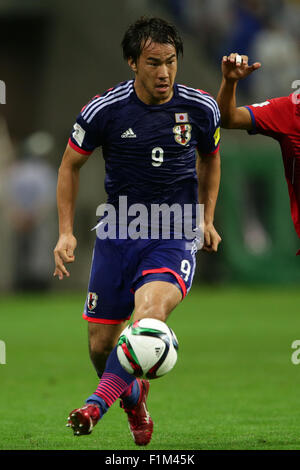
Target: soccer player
(149, 129)
(277, 117)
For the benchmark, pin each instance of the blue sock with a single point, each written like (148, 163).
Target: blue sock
(96, 400)
(115, 383)
(131, 395)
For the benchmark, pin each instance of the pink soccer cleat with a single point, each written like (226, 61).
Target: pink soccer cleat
(139, 419)
(82, 420)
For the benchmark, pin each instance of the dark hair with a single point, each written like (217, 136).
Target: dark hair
(156, 29)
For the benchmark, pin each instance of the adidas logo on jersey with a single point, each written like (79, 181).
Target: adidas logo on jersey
(128, 134)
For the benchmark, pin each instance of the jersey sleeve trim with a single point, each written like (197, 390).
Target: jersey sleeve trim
(254, 128)
(210, 153)
(78, 149)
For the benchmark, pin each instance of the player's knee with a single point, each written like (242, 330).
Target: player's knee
(158, 307)
(159, 312)
(156, 300)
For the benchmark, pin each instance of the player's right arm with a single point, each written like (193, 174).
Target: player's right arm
(234, 68)
(85, 137)
(67, 189)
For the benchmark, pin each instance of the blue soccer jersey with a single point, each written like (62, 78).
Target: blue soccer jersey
(150, 157)
(149, 151)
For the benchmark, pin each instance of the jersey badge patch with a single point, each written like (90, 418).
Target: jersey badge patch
(92, 300)
(78, 134)
(182, 133)
(181, 117)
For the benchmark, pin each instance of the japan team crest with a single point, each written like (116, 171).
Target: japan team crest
(92, 300)
(182, 133)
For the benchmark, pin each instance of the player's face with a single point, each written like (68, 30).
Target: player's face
(155, 72)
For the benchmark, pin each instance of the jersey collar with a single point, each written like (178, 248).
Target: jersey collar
(156, 107)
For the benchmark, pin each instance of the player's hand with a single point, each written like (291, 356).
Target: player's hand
(64, 253)
(235, 67)
(211, 238)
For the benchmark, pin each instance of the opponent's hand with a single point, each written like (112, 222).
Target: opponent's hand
(64, 253)
(211, 238)
(235, 67)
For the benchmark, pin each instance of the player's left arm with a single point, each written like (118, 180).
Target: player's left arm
(209, 174)
(209, 169)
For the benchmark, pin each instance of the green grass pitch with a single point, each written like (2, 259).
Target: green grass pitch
(234, 385)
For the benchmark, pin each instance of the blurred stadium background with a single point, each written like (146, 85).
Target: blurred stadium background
(54, 57)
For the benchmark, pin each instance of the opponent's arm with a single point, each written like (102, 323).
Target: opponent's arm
(67, 189)
(209, 173)
(234, 68)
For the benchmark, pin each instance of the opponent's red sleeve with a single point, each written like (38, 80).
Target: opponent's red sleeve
(270, 117)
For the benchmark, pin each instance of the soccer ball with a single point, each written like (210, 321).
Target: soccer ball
(147, 348)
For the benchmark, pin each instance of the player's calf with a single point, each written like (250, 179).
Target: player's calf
(102, 339)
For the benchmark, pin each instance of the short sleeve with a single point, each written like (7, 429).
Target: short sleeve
(268, 117)
(209, 136)
(86, 134)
